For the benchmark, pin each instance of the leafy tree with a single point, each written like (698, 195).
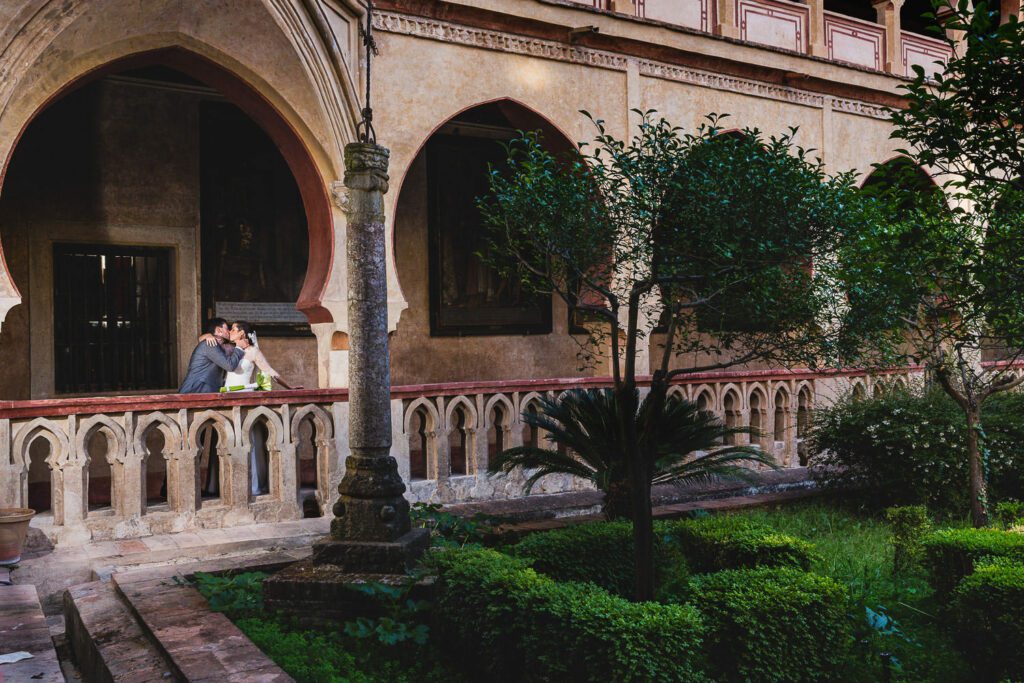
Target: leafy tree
(709, 236)
(586, 428)
(941, 281)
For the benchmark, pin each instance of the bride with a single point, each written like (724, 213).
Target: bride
(243, 336)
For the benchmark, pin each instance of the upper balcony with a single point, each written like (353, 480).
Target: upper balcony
(889, 36)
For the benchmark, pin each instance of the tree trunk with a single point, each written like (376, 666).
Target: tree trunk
(979, 484)
(640, 488)
(618, 502)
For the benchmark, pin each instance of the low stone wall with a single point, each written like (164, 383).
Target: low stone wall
(227, 460)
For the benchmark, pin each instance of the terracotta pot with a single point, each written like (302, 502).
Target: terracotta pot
(13, 527)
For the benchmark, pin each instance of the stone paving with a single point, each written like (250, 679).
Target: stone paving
(23, 629)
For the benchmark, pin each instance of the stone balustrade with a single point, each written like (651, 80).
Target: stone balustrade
(129, 466)
(803, 27)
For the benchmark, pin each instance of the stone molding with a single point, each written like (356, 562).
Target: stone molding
(431, 29)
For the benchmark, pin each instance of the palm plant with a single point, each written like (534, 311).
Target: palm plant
(586, 430)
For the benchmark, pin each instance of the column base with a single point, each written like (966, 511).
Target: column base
(326, 594)
(378, 557)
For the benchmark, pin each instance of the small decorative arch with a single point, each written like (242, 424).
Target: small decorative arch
(731, 406)
(321, 420)
(804, 406)
(758, 417)
(704, 397)
(467, 405)
(422, 438)
(170, 428)
(781, 414)
(858, 390)
(461, 422)
(498, 417)
(47, 429)
(676, 390)
(117, 439)
(221, 423)
(529, 435)
(275, 428)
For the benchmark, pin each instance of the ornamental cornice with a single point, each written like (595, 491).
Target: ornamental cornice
(489, 39)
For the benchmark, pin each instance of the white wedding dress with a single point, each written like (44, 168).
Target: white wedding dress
(258, 454)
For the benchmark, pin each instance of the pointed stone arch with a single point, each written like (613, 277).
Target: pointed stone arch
(306, 99)
(169, 427)
(275, 428)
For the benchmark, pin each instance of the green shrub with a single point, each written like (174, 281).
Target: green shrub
(951, 554)
(733, 542)
(509, 623)
(773, 624)
(601, 553)
(988, 618)
(1010, 513)
(908, 448)
(909, 525)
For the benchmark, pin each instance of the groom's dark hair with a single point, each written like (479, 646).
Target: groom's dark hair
(211, 327)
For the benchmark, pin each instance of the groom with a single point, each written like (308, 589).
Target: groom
(208, 365)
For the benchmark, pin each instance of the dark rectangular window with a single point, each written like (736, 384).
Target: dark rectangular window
(113, 319)
(468, 297)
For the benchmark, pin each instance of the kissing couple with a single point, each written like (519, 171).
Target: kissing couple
(226, 356)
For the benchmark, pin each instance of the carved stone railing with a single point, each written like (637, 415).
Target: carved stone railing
(170, 462)
(122, 467)
(450, 431)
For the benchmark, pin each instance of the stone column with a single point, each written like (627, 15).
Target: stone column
(370, 531)
(889, 16)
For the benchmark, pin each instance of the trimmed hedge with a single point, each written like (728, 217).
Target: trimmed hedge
(951, 554)
(509, 623)
(988, 618)
(773, 624)
(601, 553)
(731, 542)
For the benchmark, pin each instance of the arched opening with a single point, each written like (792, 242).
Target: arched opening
(757, 418)
(803, 424)
(211, 475)
(877, 390)
(852, 8)
(182, 194)
(498, 432)
(305, 453)
(101, 475)
(459, 441)
(733, 416)
(259, 459)
(439, 238)
(903, 183)
(859, 392)
(781, 425)
(155, 474)
(530, 434)
(40, 477)
(419, 443)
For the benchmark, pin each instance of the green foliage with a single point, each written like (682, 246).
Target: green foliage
(909, 525)
(236, 594)
(602, 553)
(509, 623)
(451, 531)
(988, 618)
(773, 624)
(952, 554)
(1010, 513)
(586, 427)
(399, 622)
(732, 542)
(907, 448)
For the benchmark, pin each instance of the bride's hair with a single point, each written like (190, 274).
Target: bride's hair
(250, 333)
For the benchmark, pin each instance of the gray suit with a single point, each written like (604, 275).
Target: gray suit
(206, 369)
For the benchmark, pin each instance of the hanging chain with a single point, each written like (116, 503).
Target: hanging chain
(364, 129)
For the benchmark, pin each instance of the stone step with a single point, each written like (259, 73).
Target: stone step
(108, 643)
(23, 628)
(201, 646)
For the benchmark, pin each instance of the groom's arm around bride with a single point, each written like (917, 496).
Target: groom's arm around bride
(208, 364)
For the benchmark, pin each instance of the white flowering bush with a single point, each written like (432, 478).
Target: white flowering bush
(907, 448)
